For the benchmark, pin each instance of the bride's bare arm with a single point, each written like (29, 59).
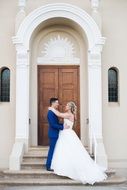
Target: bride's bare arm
(59, 114)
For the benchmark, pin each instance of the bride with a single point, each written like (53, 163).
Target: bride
(70, 158)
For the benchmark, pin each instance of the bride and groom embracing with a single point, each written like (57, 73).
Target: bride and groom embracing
(67, 156)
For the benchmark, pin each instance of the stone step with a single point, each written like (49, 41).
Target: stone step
(37, 158)
(38, 149)
(33, 164)
(39, 173)
(42, 150)
(60, 182)
(40, 154)
(1, 174)
(33, 173)
(34, 158)
(37, 155)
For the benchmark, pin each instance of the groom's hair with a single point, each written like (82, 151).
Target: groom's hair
(52, 100)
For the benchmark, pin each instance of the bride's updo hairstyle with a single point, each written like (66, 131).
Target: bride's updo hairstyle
(73, 108)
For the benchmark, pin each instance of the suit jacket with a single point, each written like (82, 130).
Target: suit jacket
(54, 125)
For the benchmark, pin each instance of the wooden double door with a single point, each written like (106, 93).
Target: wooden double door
(61, 82)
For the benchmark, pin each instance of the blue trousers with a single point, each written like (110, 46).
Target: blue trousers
(52, 143)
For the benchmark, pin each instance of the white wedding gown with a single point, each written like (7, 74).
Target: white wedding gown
(71, 159)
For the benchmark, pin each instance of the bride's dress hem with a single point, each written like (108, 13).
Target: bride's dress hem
(70, 159)
(79, 181)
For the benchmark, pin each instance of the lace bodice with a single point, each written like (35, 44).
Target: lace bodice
(69, 123)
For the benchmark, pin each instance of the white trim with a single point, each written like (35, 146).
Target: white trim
(62, 10)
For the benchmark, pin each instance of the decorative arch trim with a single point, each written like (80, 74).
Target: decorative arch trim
(63, 10)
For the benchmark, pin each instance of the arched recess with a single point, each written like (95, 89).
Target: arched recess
(75, 54)
(95, 44)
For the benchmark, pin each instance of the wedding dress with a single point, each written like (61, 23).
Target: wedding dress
(71, 159)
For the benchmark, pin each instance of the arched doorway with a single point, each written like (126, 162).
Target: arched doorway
(62, 50)
(95, 44)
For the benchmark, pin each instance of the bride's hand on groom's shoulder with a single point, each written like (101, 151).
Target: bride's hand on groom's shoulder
(49, 108)
(66, 126)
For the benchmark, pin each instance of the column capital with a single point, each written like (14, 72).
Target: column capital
(22, 56)
(19, 44)
(97, 49)
(94, 54)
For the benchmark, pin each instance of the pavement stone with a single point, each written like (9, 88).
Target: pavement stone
(119, 187)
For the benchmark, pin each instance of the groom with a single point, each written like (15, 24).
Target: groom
(53, 131)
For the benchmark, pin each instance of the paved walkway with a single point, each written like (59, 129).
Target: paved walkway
(122, 172)
(119, 187)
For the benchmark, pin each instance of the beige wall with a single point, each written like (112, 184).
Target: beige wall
(114, 14)
(114, 28)
(7, 58)
(31, 5)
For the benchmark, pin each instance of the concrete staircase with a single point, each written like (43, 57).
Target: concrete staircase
(33, 172)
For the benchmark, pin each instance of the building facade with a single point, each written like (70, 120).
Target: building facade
(71, 50)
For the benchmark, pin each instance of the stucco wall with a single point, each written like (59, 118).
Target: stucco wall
(31, 5)
(114, 16)
(7, 58)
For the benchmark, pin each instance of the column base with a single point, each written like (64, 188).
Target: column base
(101, 158)
(15, 159)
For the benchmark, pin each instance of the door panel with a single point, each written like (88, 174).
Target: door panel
(68, 85)
(47, 87)
(56, 81)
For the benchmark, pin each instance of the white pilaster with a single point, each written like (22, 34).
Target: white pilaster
(95, 104)
(22, 95)
(21, 14)
(16, 156)
(95, 12)
(22, 107)
(95, 101)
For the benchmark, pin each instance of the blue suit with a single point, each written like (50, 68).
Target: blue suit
(53, 133)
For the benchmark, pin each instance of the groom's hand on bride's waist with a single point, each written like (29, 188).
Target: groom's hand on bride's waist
(66, 126)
